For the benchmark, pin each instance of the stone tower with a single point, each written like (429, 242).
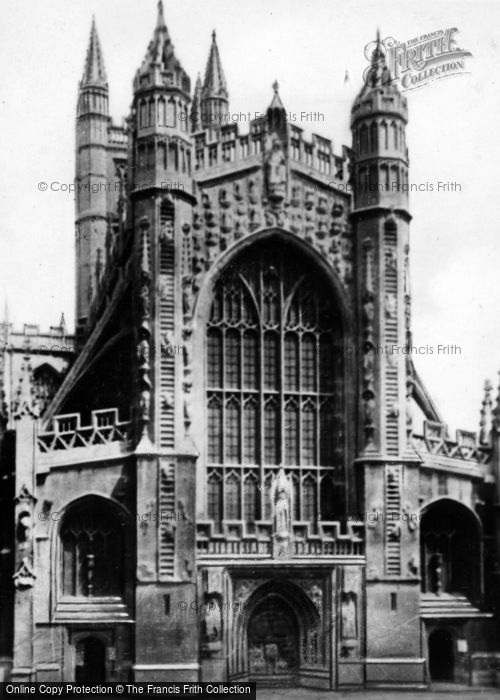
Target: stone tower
(92, 124)
(390, 479)
(160, 191)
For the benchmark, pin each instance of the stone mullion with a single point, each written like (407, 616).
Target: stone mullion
(281, 386)
(262, 491)
(242, 408)
(299, 422)
(223, 406)
(316, 413)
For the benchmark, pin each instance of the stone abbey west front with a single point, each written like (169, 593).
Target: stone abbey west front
(192, 515)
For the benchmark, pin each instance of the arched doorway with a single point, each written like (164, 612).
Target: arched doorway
(441, 655)
(90, 661)
(279, 633)
(273, 641)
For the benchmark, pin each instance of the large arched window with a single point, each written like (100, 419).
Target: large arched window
(274, 376)
(450, 541)
(92, 550)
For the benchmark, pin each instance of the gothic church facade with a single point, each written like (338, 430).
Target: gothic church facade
(225, 476)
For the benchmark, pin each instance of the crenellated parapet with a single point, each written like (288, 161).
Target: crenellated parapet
(33, 364)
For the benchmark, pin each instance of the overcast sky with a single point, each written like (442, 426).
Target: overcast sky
(308, 46)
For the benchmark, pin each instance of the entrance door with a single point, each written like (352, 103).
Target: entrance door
(273, 642)
(441, 656)
(90, 661)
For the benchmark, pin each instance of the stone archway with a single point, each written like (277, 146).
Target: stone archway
(279, 632)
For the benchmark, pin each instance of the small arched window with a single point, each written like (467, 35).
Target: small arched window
(46, 381)
(363, 133)
(384, 134)
(142, 114)
(92, 550)
(395, 135)
(167, 219)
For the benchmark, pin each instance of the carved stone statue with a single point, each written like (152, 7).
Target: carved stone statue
(213, 620)
(282, 499)
(349, 614)
(276, 172)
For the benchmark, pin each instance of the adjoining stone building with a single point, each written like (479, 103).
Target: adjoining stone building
(221, 476)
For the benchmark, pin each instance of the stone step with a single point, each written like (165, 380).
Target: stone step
(447, 605)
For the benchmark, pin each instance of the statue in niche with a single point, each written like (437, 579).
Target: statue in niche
(412, 566)
(390, 306)
(253, 195)
(282, 513)
(213, 620)
(24, 528)
(276, 172)
(281, 499)
(187, 295)
(349, 616)
(281, 496)
(295, 200)
(316, 594)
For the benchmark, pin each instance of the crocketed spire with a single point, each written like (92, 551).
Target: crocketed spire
(214, 85)
(160, 66)
(94, 73)
(378, 74)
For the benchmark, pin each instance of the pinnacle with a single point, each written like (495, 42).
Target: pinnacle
(276, 102)
(94, 72)
(160, 23)
(214, 84)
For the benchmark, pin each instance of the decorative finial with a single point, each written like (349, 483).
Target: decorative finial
(378, 53)
(276, 86)
(160, 24)
(378, 74)
(486, 422)
(213, 35)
